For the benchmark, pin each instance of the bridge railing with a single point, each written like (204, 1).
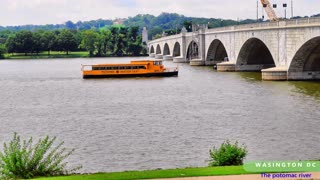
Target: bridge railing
(290, 22)
(303, 21)
(166, 38)
(282, 23)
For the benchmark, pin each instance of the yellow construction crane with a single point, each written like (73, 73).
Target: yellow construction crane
(269, 10)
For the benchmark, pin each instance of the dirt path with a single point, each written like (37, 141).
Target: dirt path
(314, 176)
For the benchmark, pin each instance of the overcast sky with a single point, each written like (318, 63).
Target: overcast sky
(20, 12)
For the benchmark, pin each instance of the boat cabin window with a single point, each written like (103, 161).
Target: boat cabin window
(139, 67)
(158, 63)
(117, 67)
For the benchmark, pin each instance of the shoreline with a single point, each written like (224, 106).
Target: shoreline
(57, 55)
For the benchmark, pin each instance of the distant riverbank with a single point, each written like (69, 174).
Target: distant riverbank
(52, 55)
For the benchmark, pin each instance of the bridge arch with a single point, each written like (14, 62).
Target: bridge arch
(254, 55)
(158, 50)
(193, 51)
(176, 50)
(217, 51)
(307, 58)
(166, 50)
(151, 50)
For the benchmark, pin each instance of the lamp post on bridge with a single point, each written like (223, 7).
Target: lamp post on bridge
(285, 10)
(284, 5)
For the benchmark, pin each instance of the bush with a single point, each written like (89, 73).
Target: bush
(228, 154)
(25, 160)
(2, 51)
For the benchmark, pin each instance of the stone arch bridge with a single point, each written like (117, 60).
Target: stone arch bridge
(284, 50)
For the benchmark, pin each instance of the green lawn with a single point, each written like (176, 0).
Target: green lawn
(151, 174)
(44, 55)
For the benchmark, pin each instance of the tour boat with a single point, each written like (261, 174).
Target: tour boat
(142, 68)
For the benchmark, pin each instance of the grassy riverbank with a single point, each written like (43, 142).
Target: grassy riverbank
(44, 55)
(153, 174)
(53, 55)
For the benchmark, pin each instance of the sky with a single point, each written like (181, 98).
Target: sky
(21, 12)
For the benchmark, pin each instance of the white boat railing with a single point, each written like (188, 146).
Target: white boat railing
(86, 67)
(171, 69)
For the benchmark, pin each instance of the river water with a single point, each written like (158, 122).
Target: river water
(149, 123)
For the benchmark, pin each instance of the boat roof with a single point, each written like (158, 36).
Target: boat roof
(146, 60)
(135, 63)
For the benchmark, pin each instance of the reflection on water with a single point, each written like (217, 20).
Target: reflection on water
(307, 87)
(148, 123)
(251, 76)
(310, 88)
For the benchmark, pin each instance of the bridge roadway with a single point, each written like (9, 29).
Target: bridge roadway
(284, 50)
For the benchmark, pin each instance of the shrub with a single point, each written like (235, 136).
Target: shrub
(25, 160)
(228, 154)
(2, 51)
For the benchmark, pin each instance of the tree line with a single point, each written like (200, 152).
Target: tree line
(80, 25)
(114, 41)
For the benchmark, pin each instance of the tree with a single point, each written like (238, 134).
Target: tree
(120, 45)
(71, 25)
(3, 50)
(122, 42)
(37, 43)
(67, 41)
(49, 41)
(188, 25)
(11, 44)
(24, 42)
(134, 41)
(89, 40)
(114, 35)
(133, 33)
(100, 46)
(106, 34)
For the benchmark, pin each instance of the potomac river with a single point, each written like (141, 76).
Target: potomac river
(149, 123)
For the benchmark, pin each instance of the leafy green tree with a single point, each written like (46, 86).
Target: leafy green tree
(134, 41)
(11, 44)
(156, 30)
(188, 25)
(67, 41)
(49, 40)
(122, 42)
(106, 34)
(99, 44)
(3, 50)
(120, 45)
(24, 42)
(70, 25)
(113, 40)
(37, 42)
(133, 33)
(89, 39)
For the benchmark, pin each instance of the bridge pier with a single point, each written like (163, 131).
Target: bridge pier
(152, 55)
(158, 56)
(197, 62)
(304, 75)
(275, 74)
(180, 60)
(226, 67)
(212, 63)
(167, 57)
(253, 67)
